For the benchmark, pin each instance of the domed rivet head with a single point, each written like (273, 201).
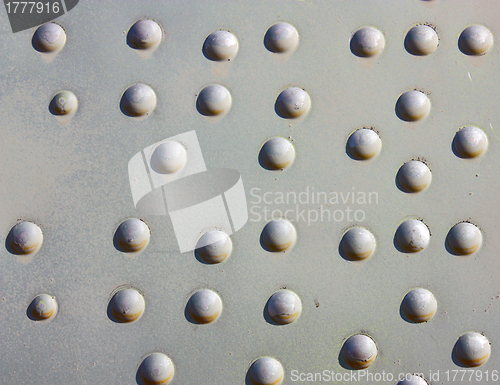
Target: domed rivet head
(277, 154)
(132, 236)
(411, 379)
(357, 244)
(266, 371)
(413, 176)
(220, 46)
(138, 100)
(367, 42)
(43, 308)
(284, 307)
(412, 236)
(413, 105)
(293, 102)
(127, 305)
(364, 144)
(214, 100)
(204, 307)
(49, 38)
(214, 246)
(475, 40)
(278, 235)
(168, 158)
(144, 34)
(419, 305)
(463, 239)
(281, 38)
(64, 103)
(359, 351)
(421, 40)
(25, 238)
(472, 349)
(470, 142)
(156, 369)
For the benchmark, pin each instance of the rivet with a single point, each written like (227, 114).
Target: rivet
(220, 46)
(413, 176)
(25, 238)
(464, 238)
(127, 305)
(64, 103)
(266, 371)
(277, 154)
(475, 40)
(132, 236)
(472, 349)
(144, 34)
(138, 100)
(293, 102)
(411, 379)
(168, 158)
(214, 246)
(214, 100)
(367, 41)
(156, 369)
(470, 142)
(278, 235)
(43, 307)
(358, 243)
(49, 38)
(359, 351)
(204, 306)
(419, 305)
(284, 307)
(364, 144)
(412, 106)
(281, 38)
(412, 236)
(421, 40)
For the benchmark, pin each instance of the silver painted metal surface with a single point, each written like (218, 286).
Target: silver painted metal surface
(71, 179)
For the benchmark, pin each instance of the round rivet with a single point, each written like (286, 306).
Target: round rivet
(156, 369)
(419, 305)
(281, 38)
(220, 45)
(293, 102)
(470, 142)
(412, 236)
(472, 349)
(132, 235)
(278, 235)
(475, 40)
(284, 307)
(277, 154)
(421, 40)
(48, 38)
(144, 34)
(214, 100)
(63, 103)
(413, 105)
(25, 238)
(204, 306)
(138, 100)
(411, 379)
(214, 246)
(359, 351)
(168, 158)
(266, 371)
(127, 305)
(414, 176)
(367, 41)
(358, 243)
(464, 238)
(43, 307)
(364, 144)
